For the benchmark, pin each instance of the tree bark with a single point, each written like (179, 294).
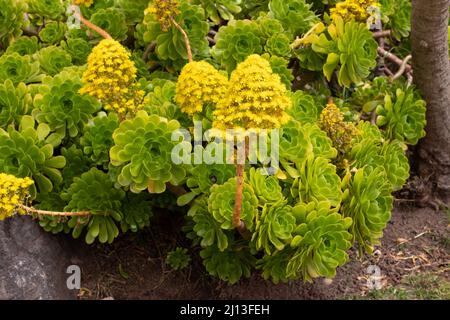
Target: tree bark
(432, 76)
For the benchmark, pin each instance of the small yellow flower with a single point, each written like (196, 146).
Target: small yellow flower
(165, 11)
(12, 192)
(350, 10)
(86, 3)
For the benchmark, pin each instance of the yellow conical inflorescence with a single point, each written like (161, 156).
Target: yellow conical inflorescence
(86, 3)
(111, 78)
(353, 10)
(256, 98)
(12, 192)
(199, 84)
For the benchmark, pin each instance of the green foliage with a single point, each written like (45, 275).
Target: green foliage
(280, 66)
(137, 212)
(304, 108)
(23, 46)
(15, 102)
(143, 152)
(18, 68)
(218, 10)
(133, 10)
(53, 59)
(11, 20)
(51, 9)
(53, 32)
(59, 105)
(178, 259)
(266, 187)
(295, 15)
(113, 21)
(397, 16)
(78, 48)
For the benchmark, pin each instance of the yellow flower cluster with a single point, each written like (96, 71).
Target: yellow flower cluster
(165, 11)
(87, 3)
(256, 98)
(199, 84)
(353, 10)
(111, 78)
(12, 192)
(339, 131)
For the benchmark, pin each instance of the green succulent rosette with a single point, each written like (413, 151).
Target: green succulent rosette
(137, 212)
(269, 26)
(304, 107)
(15, 101)
(53, 32)
(205, 226)
(203, 176)
(403, 116)
(317, 181)
(279, 45)
(296, 16)
(368, 201)
(11, 20)
(94, 191)
(51, 9)
(320, 241)
(59, 104)
(350, 48)
(133, 10)
(280, 66)
(113, 21)
(170, 45)
(19, 68)
(396, 15)
(274, 266)
(78, 48)
(229, 265)
(142, 149)
(76, 164)
(218, 10)
(267, 188)
(53, 60)
(97, 138)
(178, 259)
(27, 153)
(235, 42)
(23, 46)
(221, 204)
(274, 227)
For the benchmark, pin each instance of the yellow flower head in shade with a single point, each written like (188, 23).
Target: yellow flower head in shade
(256, 98)
(353, 10)
(164, 10)
(338, 130)
(110, 77)
(199, 84)
(12, 192)
(87, 3)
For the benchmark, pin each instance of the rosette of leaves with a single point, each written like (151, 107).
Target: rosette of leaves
(274, 266)
(14, 102)
(368, 201)
(218, 10)
(280, 66)
(23, 46)
(53, 59)
(133, 10)
(19, 68)
(350, 48)
(298, 141)
(274, 227)
(403, 116)
(27, 153)
(266, 188)
(295, 15)
(53, 32)
(170, 45)
(97, 138)
(52, 202)
(235, 42)
(304, 108)
(396, 15)
(93, 191)
(178, 259)
(205, 226)
(76, 164)
(279, 45)
(11, 20)
(59, 104)
(137, 212)
(113, 21)
(52, 9)
(221, 204)
(229, 265)
(78, 48)
(309, 59)
(269, 26)
(142, 149)
(203, 176)
(321, 240)
(317, 181)
(254, 8)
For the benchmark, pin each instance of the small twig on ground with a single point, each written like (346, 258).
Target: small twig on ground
(392, 57)
(30, 210)
(402, 68)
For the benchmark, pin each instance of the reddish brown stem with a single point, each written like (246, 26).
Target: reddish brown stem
(54, 213)
(238, 198)
(381, 34)
(93, 27)
(185, 37)
(392, 57)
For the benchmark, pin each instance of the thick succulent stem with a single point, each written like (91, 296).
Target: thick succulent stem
(30, 210)
(93, 27)
(237, 222)
(185, 37)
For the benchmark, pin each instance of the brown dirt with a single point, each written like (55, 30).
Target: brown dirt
(415, 241)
